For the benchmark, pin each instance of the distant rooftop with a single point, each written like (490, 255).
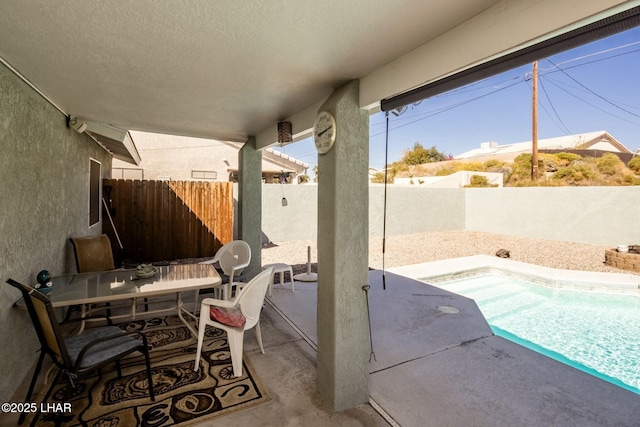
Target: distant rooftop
(600, 140)
(288, 158)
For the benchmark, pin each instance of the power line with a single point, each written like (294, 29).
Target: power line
(594, 93)
(591, 105)
(555, 68)
(451, 93)
(544, 90)
(594, 54)
(451, 107)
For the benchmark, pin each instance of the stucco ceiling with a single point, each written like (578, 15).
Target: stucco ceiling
(223, 69)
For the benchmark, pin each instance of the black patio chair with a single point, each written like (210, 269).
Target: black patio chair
(80, 354)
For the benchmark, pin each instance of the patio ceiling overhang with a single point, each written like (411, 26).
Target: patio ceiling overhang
(229, 70)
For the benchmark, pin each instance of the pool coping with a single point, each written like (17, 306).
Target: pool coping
(435, 271)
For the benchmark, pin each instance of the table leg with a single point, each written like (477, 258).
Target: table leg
(83, 314)
(179, 308)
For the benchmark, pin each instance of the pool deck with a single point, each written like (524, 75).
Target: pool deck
(438, 368)
(619, 282)
(432, 367)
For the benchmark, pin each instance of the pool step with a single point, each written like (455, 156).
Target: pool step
(497, 295)
(505, 311)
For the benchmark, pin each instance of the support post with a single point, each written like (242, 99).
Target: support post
(343, 255)
(534, 123)
(250, 203)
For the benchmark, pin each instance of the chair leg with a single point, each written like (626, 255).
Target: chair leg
(201, 330)
(236, 337)
(293, 286)
(46, 396)
(149, 376)
(33, 383)
(195, 301)
(259, 336)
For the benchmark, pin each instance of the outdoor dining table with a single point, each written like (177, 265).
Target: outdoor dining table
(123, 284)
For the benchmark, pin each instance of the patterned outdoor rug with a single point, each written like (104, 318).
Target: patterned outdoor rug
(183, 396)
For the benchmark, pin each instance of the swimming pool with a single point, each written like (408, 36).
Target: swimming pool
(594, 331)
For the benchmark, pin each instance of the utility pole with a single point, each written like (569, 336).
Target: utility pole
(534, 122)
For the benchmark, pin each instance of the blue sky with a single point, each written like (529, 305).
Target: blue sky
(590, 88)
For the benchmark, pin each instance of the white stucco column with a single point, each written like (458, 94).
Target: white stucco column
(343, 255)
(250, 203)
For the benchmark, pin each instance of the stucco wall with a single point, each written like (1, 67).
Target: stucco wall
(596, 215)
(44, 199)
(605, 216)
(298, 220)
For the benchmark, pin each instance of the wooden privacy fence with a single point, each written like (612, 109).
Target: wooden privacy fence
(167, 220)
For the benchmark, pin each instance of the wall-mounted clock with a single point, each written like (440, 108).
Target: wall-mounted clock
(324, 131)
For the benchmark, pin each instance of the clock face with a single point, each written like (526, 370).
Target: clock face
(324, 131)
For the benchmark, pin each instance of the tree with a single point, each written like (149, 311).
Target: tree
(419, 155)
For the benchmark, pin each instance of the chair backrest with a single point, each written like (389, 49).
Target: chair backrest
(233, 257)
(44, 321)
(93, 253)
(251, 297)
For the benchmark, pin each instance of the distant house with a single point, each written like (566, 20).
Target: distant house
(594, 141)
(180, 158)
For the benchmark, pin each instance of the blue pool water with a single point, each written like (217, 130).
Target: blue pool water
(596, 332)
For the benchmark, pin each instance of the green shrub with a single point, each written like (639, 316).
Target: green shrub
(521, 170)
(471, 166)
(609, 164)
(634, 165)
(378, 178)
(568, 158)
(419, 155)
(579, 174)
(449, 169)
(400, 167)
(479, 181)
(492, 164)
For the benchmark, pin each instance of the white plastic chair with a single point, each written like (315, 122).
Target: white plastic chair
(233, 258)
(248, 303)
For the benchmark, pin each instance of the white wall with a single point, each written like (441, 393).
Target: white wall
(594, 215)
(298, 220)
(605, 216)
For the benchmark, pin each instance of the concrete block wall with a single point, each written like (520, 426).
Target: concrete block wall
(605, 216)
(298, 220)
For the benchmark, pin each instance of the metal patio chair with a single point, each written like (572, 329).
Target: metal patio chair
(80, 354)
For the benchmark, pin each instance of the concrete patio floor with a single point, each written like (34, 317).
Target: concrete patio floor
(432, 368)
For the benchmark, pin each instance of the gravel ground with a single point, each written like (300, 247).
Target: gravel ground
(424, 247)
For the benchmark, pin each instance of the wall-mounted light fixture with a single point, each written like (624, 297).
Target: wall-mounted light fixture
(285, 133)
(285, 136)
(76, 124)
